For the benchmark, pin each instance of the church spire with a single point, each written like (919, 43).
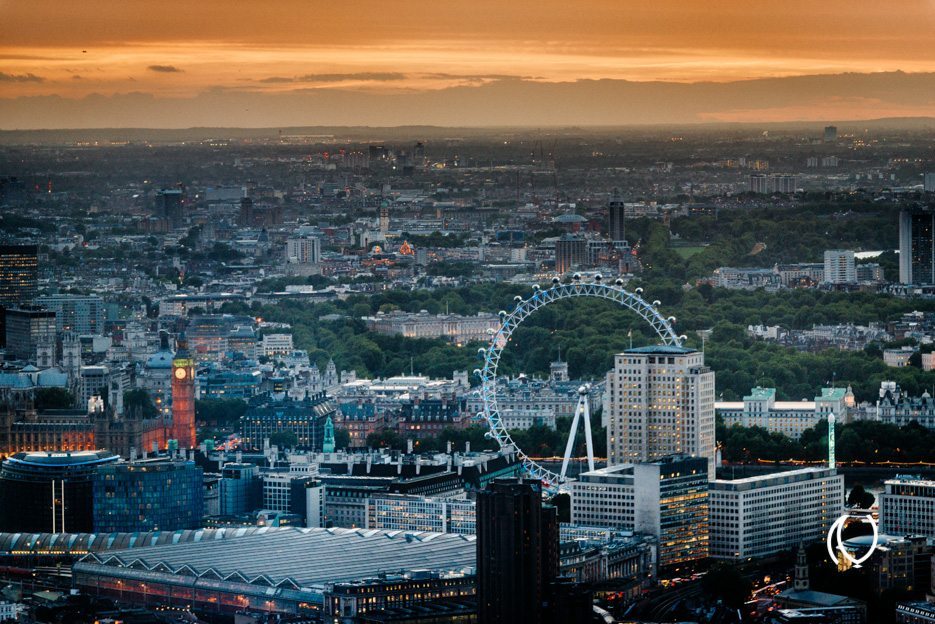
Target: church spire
(801, 570)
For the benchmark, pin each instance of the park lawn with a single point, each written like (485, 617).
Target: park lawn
(687, 251)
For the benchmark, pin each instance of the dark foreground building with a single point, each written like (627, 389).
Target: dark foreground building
(32, 485)
(517, 551)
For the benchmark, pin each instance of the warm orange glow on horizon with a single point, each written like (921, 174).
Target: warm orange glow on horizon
(173, 49)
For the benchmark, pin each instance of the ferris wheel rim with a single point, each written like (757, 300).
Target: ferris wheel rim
(522, 309)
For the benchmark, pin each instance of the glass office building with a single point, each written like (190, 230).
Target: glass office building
(19, 274)
(148, 495)
(49, 491)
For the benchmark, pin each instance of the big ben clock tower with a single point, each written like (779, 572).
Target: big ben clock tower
(183, 396)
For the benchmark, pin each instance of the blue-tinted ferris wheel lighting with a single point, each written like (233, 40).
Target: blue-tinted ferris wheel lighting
(524, 307)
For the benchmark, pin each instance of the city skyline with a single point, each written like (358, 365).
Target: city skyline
(448, 312)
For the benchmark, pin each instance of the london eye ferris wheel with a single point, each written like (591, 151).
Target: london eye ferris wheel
(500, 338)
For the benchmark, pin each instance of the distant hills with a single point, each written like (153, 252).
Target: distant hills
(890, 98)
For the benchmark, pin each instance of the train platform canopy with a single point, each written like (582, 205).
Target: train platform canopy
(297, 557)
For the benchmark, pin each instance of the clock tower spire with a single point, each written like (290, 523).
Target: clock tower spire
(183, 396)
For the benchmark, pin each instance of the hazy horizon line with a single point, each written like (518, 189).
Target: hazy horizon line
(587, 126)
(857, 98)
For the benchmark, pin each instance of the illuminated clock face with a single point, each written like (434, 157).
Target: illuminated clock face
(180, 373)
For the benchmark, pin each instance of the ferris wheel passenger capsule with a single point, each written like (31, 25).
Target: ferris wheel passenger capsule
(656, 302)
(639, 290)
(618, 282)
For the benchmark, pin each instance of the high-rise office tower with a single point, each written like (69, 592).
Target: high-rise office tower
(246, 217)
(183, 396)
(384, 219)
(169, 207)
(26, 329)
(83, 314)
(517, 551)
(570, 251)
(667, 498)
(615, 219)
(303, 250)
(783, 182)
(759, 183)
(831, 134)
(917, 246)
(19, 274)
(660, 402)
(928, 182)
(148, 495)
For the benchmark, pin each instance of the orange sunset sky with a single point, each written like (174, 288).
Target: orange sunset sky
(266, 63)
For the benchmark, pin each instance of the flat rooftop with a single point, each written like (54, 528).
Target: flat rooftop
(911, 480)
(773, 478)
(661, 350)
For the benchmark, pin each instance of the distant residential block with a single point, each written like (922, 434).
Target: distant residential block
(840, 267)
(747, 278)
(897, 358)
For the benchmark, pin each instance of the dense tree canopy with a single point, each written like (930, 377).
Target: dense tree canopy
(139, 402)
(588, 332)
(861, 441)
(766, 236)
(458, 437)
(54, 398)
(220, 412)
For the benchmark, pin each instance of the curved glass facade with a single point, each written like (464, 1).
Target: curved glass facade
(148, 496)
(27, 499)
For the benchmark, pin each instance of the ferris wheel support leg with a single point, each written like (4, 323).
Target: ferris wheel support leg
(571, 441)
(586, 414)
